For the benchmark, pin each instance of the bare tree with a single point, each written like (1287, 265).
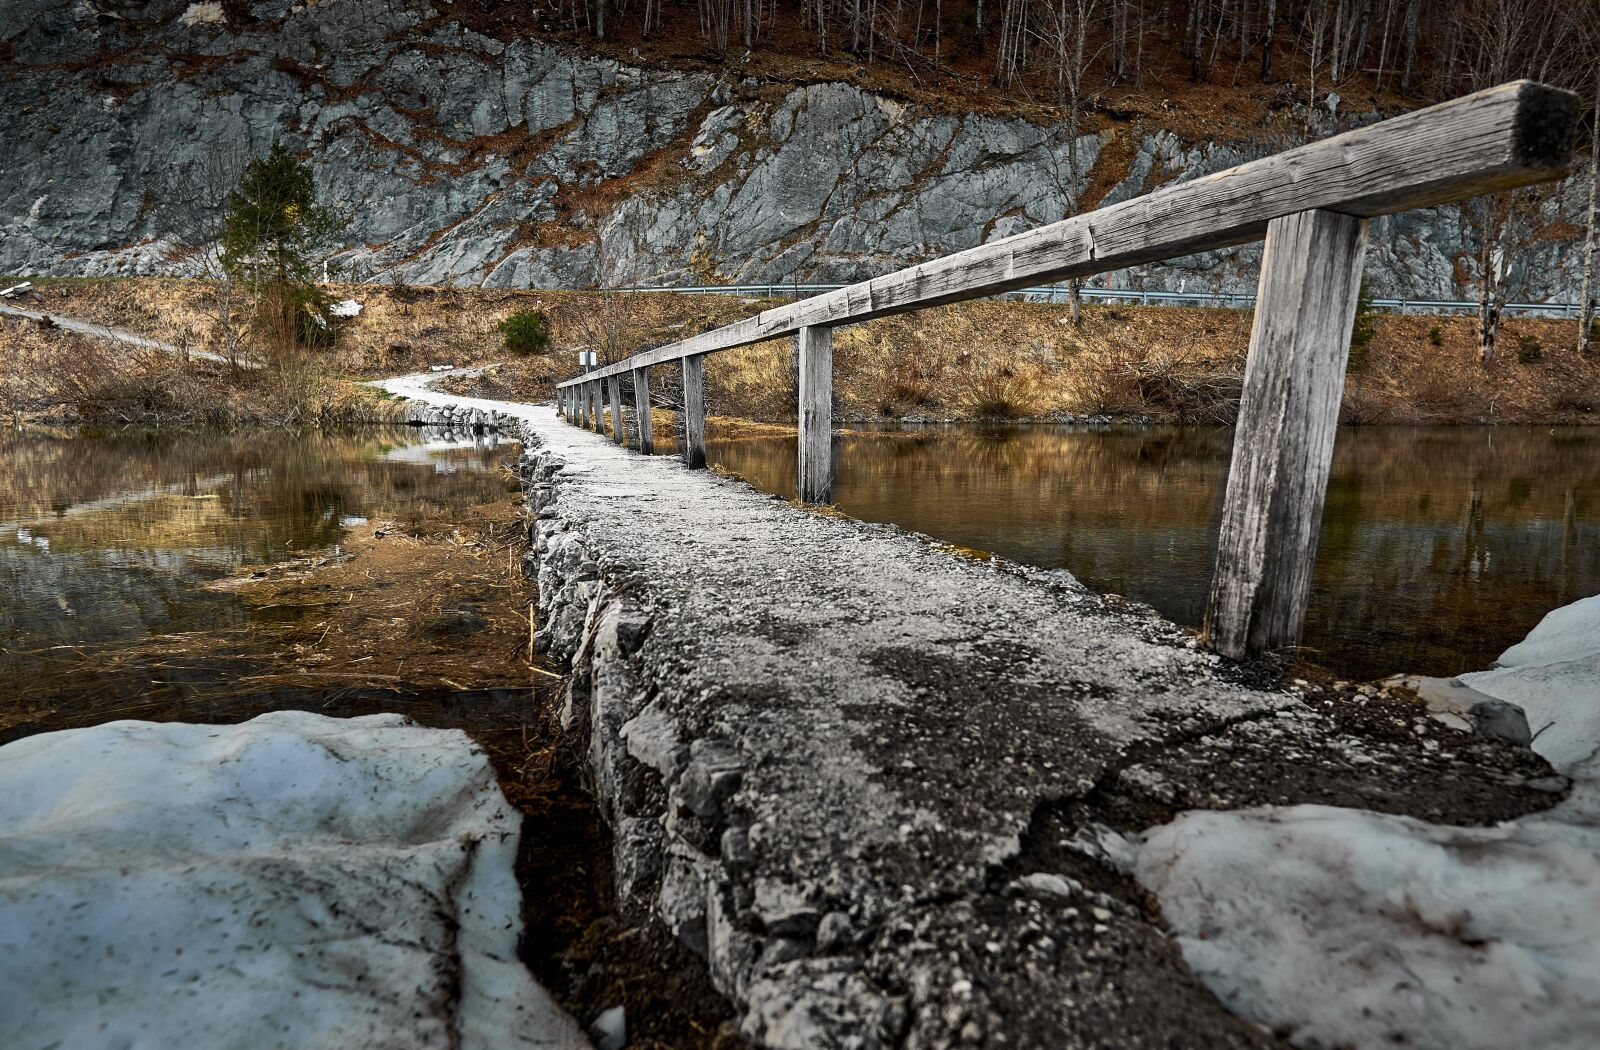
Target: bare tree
(1495, 41)
(1068, 29)
(1586, 312)
(193, 209)
(610, 325)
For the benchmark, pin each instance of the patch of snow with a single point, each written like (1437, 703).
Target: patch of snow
(610, 1029)
(296, 880)
(1353, 928)
(345, 308)
(204, 14)
(1554, 676)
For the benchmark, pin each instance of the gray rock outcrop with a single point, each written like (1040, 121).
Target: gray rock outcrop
(513, 163)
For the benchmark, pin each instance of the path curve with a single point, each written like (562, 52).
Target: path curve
(118, 335)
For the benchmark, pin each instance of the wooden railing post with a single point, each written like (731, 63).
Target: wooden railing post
(694, 411)
(619, 432)
(580, 398)
(814, 347)
(1283, 445)
(641, 410)
(592, 420)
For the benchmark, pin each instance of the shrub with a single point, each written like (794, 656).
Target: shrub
(313, 325)
(993, 394)
(1362, 329)
(1529, 349)
(526, 332)
(1435, 336)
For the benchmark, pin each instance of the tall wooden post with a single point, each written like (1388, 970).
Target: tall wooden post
(591, 415)
(580, 397)
(694, 411)
(597, 398)
(641, 410)
(1283, 445)
(814, 348)
(619, 433)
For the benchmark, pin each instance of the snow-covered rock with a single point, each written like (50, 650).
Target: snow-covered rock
(345, 308)
(1554, 676)
(294, 881)
(1352, 928)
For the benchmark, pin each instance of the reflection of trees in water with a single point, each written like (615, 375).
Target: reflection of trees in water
(272, 491)
(1440, 546)
(133, 522)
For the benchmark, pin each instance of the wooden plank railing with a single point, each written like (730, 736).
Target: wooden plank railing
(1311, 204)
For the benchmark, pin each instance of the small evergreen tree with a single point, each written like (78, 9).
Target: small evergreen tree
(272, 238)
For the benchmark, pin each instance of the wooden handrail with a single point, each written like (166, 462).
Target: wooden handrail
(1312, 205)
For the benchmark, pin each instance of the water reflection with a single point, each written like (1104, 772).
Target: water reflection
(106, 538)
(1440, 546)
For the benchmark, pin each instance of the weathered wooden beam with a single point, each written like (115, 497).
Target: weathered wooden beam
(619, 432)
(1283, 444)
(693, 435)
(641, 411)
(814, 346)
(1513, 135)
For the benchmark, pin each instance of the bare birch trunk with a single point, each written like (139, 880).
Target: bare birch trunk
(1586, 312)
(1491, 294)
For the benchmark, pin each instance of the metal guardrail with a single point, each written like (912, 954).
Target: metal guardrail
(1126, 296)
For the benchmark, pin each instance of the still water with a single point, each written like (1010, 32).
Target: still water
(1441, 546)
(110, 539)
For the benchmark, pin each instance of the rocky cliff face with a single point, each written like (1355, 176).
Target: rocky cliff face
(470, 160)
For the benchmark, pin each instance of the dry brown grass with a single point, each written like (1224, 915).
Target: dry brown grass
(989, 359)
(55, 375)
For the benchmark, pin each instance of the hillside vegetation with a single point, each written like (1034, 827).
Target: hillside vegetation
(979, 360)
